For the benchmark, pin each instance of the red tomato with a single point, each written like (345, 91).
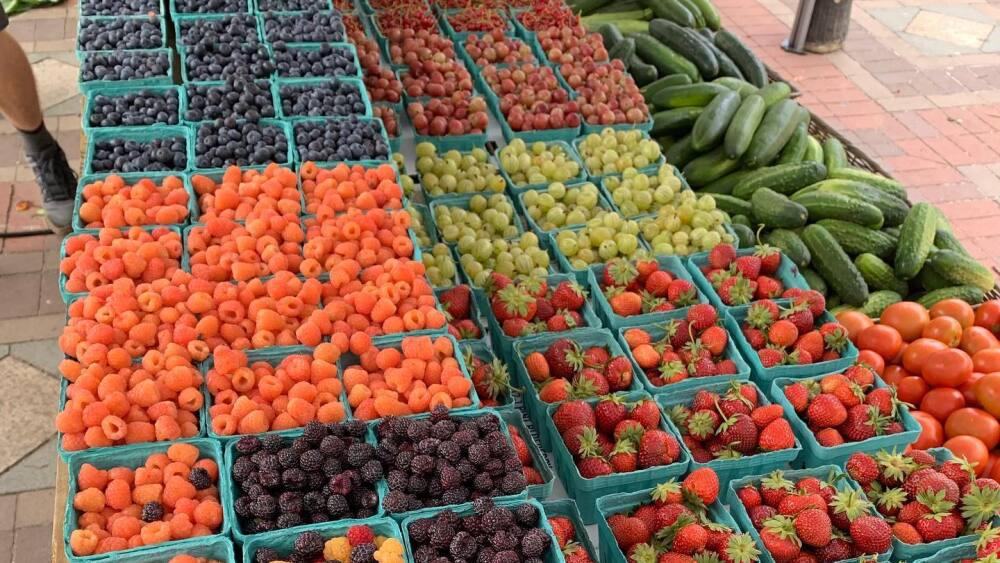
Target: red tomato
(854, 322)
(872, 359)
(988, 393)
(972, 449)
(931, 431)
(956, 309)
(994, 470)
(969, 421)
(976, 339)
(968, 389)
(986, 360)
(882, 339)
(911, 389)
(907, 317)
(945, 329)
(941, 402)
(894, 374)
(947, 368)
(917, 352)
(988, 316)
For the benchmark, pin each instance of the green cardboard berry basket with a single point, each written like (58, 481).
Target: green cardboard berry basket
(130, 178)
(116, 91)
(296, 155)
(285, 18)
(490, 160)
(787, 273)
(955, 553)
(475, 315)
(69, 297)
(727, 469)
(346, 46)
(186, 98)
(538, 410)
(460, 36)
(839, 479)
(514, 418)
(586, 491)
(182, 54)
(570, 152)
(160, 21)
(583, 274)
(216, 547)
(404, 517)
(158, 9)
(613, 320)
(305, 82)
(139, 134)
(651, 168)
(608, 191)
(216, 174)
(764, 376)
(180, 18)
(395, 341)
(463, 142)
(602, 203)
(657, 332)
(462, 201)
(242, 536)
(87, 86)
(481, 349)
(426, 220)
(329, 165)
(273, 356)
(815, 454)
(283, 125)
(457, 278)
(478, 290)
(567, 507)
(327, 5)
(505, 344)
(284, 540)
(172, 5)
(625, 502)
(529, 136)
(462, 53)
(186, 255)
(135, 456)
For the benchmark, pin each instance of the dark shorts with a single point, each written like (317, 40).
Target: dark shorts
(3, 18)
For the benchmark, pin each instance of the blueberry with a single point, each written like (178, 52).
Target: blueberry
(124, 65)
(327, 60)
(291, 5)
(233, 30)
(217, 48)
(156, 155)
(118, 7)
(332, 98)
(211, 6)
(350, 138)
(141, 107)
(227, 141)
(238, 96)
(311, 27)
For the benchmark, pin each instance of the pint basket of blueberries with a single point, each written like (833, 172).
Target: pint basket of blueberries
(322, 97)
(354, 139)
(130, 149)
(126, 106)
(241, 97)
(223, 142)
(151, 67)
(121, 32)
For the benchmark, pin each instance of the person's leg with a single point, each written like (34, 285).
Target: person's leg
(19, 104)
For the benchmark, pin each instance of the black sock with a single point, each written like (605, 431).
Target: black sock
(38, 140)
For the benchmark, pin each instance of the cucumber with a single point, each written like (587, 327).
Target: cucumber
(960, 269)
(708, 167)
(744, 235)
(687, 43)
(775, 92)
(708, 11)
(699, 20)
(623, 50)
(586, 7)
(814, 151)
(748, 63)
(687, 95)
(711, 125)
(790, 244)
(635, 23)
(878, 274)
(666, 60)
(945, 240)
(916, 237)
(878, 301)
(610, 35)
(775, 130)
(834, 155)
(930, 279)
(795, 149)
(724, 185)
(827, 205)
(881, 182)
(671, 10)
(968, 293)
(677, 120)
(742, 87)
(648, 90)
(783, 178)
(743, 125)
(815, 281)
(830, 260)
(855, 239)
(681, 153)
(775, 210)
(642, 73)
(732, 205)
(741, 220)
(727, 68)
(893, 209)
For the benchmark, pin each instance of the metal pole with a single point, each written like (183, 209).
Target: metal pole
(800, 28)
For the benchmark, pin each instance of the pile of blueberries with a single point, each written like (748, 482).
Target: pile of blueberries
(118, 7)
(127, 155)
(302, 62)
(292, 5)
(211, 6)
(304, 27)
(216, 48)
(240, 97)
(244, 143)
(349, 138)
(329, 98)
(135, 108)
(122, 32)
(124, 65)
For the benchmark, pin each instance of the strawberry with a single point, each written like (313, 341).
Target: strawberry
(863, 422)
(619, 272)
(573, 413)
(755, 338)
(811, 342)
(595, 357)
(619, 373)
(702, 483)
(563, 529)
(516, 327)
(767, 288)
(576, 553)
(544, 309)
(798, 395)
(703, 367)
(770, 357)
(775, 487)
(568, 295)
(704, 400)
(777, 435)
(871, 534)
(740, 433)
(814, 300)
(762, 416)
(829, 437)
(837, 550)
(534, 286)
(702, 316)
(521, 447)
(647, 413)
(628, 429)
(778, 537)
(646, 267)
(813, 527)
(745, 390)
(629, 531)
(913, 511)
(536, 366)
(564, 358)
(555, 390)
(800, 316)
(725, 367)
(594, 466)
(721, 256)
(668, 492)
(748, 267)
(690, 539)
(795, 503)
(834, 336)
(862, 468)
(958, 471)
(737, 290)
(883, 398)
(678, 331)
(457, 301)
(512, 302)
(862, 374)
(467, 329)
(681, 290)
(495, 282)
(656, 447)
(658, 283)
(770, 258)
(623, 457)
(749, 496)
(906, 533)
(783, 333)
(758, 514)
(608, 412)
(667, 514)
(560, 322)
(625, 303)
(826, 411)
(575, 436)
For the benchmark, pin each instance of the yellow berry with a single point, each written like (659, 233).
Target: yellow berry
(391, 545)
(337, 549)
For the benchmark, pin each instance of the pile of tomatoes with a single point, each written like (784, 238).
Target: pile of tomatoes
(945, 362)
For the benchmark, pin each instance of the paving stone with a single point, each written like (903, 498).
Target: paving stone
(6, 546)
(51, 261)
(34, 508)
(21, 263)
(24, 329)
(7, 505)
(35, 471)
(49, 299)
(43, 354)
(29, 406)
(960, 10)
(937, 47)
(20, 295)
(32, 545)
(57, 82)
(952, 29)
(895, 19)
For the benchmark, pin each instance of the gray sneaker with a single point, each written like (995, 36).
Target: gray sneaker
(57, 182)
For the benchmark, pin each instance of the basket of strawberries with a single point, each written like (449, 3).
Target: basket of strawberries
(639, 292)
(731, 277)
